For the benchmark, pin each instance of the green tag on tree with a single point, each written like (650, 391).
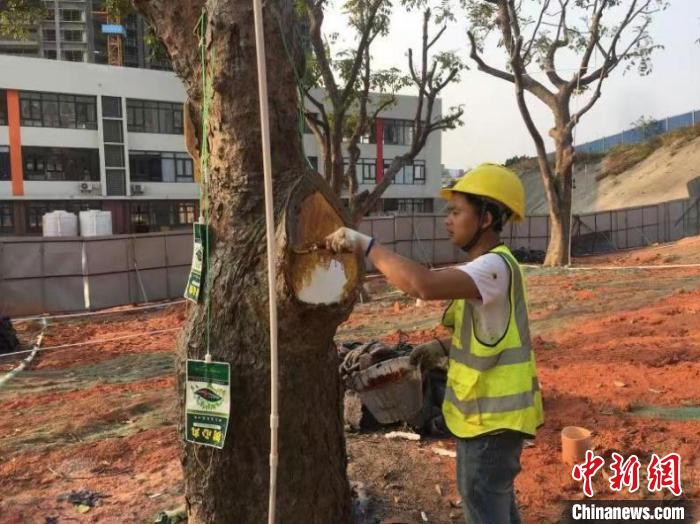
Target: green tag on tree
(207, 402)
(195, 282)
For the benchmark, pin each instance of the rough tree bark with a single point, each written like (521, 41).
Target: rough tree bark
(231, 485)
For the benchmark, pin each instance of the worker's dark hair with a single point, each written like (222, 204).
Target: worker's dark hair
(499, 212)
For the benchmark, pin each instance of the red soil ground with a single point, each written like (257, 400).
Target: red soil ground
(103, 417)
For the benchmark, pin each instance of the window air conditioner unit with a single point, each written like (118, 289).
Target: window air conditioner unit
(136, 189)
(85, 187)
(96, 186)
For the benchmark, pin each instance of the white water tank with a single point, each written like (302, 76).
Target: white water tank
(60, 224)
(95, 223)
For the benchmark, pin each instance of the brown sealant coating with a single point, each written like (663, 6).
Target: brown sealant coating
(316, 220)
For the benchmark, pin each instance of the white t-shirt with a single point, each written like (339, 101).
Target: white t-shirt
(491, 275)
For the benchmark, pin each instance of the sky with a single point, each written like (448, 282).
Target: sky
(493, 128)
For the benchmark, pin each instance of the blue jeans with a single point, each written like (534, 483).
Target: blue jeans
(486, 468)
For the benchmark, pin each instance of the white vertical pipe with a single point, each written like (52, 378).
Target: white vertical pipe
(271, 255)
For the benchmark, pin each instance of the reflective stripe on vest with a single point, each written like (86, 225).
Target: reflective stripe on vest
(493, 386)
(495, 404)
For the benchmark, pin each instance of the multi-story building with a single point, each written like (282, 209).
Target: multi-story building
(72, 31)
(77, 136)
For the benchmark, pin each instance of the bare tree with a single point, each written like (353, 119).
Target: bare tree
(349, 109)
(528, 34)
(231, 485)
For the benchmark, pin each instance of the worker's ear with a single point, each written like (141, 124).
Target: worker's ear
(488, 220)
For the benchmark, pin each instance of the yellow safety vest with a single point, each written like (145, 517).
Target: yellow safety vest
(492, 387)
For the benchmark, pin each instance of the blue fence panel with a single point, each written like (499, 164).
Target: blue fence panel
(597, 146)
(612, 141)
(632, 136)
(677, 121)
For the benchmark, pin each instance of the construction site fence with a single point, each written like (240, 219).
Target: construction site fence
(640, 134)
(52, 275)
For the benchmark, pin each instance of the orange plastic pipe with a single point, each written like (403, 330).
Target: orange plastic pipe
(13, 121)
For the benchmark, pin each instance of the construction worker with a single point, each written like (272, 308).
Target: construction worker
(492, 398)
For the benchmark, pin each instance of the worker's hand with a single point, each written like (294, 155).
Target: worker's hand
(346, 240)
(430, 355)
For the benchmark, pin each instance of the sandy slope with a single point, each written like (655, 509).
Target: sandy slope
(661, 177)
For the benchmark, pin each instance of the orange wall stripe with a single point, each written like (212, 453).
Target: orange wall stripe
(16, 166)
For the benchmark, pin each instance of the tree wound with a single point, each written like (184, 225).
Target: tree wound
(320, 277)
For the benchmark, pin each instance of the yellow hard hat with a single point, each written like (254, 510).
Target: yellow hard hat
(495, 182)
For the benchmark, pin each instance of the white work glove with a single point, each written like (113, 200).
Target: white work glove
(346, 240)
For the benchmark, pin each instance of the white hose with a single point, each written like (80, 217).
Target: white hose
(271, 255)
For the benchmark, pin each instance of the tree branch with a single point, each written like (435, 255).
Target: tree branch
(483, 66)
(612, 59)
(558, 43)
(526, 54)
(545, 168)
(368, 35)
(594, 38)
(315, 16)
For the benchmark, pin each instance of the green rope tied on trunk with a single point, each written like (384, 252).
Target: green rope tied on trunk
(204, 169)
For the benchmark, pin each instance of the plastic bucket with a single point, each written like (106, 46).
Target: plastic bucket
(574, 443)
(392, 390)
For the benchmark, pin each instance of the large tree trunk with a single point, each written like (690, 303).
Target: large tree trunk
(558, 192)
(231, 485)
(558, 247)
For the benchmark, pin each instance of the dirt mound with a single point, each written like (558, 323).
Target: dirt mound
(684, 251)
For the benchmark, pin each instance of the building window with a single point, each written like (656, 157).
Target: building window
(161, 215)
(399, 132)
(147, 116)
(49, 35)
(396, 132)
(408, 205)
(113, 131)
(61, 163)
(185, 213)
(73, 56)
(111, 107)
(3, 107)
(114, 156)
(366, 169)
(6, 224)
(70, 15)
(410, 174)
(54, 110)
(5, 173)
(72, 35)
(37, 209)
(50, 54)
(156, 166)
